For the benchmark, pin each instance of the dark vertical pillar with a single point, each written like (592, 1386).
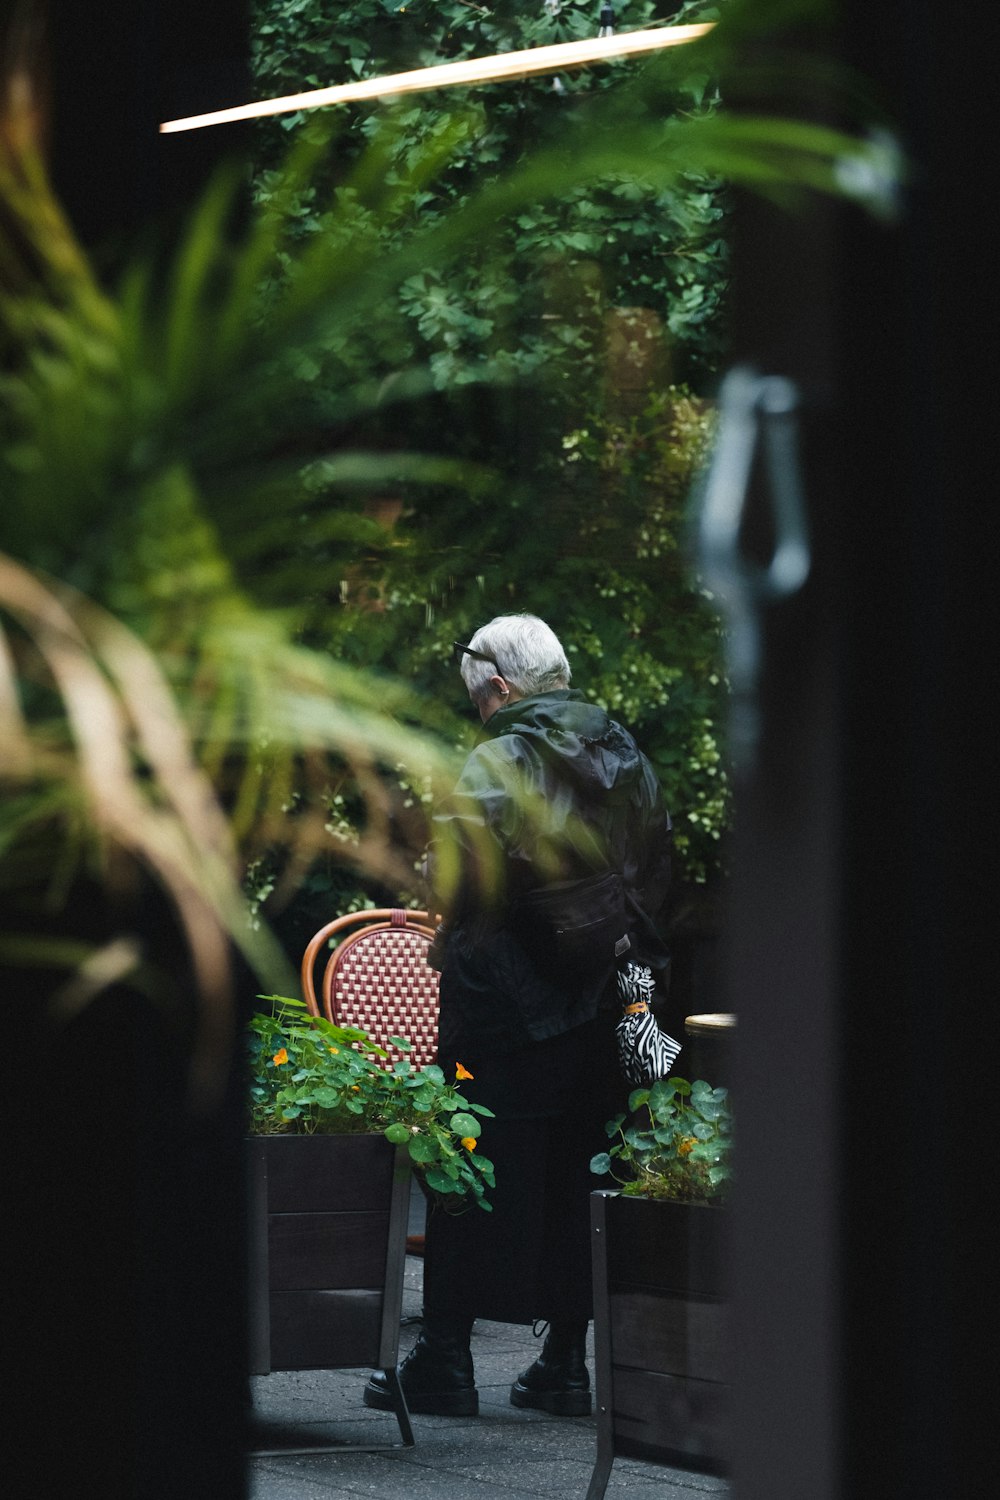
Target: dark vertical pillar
(858, 921)
(781, 955)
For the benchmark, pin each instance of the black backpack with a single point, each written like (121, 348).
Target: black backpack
(577, 925)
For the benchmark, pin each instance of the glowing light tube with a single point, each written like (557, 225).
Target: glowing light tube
(447, 75)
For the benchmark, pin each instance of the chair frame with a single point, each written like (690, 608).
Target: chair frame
(381, 919)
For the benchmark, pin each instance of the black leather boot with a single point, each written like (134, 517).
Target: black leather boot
(436, 1375)
(558, 1381)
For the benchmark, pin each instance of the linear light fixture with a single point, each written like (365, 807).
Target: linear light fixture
(447, 75)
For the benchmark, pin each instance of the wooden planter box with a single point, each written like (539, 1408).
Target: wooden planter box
(328, 1219)
(660, 1334)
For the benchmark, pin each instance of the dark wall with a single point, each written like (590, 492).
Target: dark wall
(117, 70)
(123, 1203)
(918, 764)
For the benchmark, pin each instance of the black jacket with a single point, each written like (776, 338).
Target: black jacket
(555, 790)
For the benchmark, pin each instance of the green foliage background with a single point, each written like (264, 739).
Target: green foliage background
(616, 244)
(579, 428)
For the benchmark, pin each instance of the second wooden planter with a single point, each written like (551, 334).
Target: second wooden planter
(660, 1334)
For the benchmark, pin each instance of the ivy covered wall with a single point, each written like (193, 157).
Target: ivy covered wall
(566, 364)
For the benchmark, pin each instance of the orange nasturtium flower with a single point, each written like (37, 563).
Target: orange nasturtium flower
(686, 1145)
(461, 1072)
(469, 1142)
(280, 1057)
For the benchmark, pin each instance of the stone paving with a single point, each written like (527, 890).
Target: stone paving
(503, 1454)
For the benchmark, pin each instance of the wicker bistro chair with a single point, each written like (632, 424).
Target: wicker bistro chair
(378, 978)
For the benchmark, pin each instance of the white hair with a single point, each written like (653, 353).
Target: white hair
(522, 650)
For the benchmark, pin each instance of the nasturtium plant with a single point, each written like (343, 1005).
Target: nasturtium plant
(682, 1147)
(308, 1076)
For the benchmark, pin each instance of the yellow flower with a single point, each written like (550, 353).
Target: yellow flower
(461, 1072)
(469, 1142)
(280, 1057)
(686, 1145)
(334, 1050)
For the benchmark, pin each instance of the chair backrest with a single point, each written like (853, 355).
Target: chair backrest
(378, 978)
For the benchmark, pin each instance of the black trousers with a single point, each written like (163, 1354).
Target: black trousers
(530, 1257)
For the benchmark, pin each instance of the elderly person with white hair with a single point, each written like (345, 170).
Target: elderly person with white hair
(555, 798)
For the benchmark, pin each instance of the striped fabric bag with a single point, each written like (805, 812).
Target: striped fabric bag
(645, 1053)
